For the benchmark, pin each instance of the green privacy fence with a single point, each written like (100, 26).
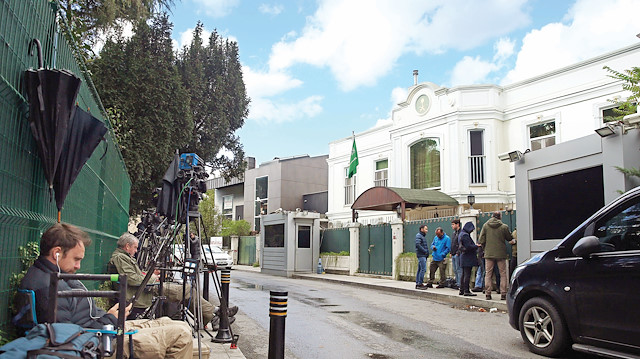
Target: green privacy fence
(334, 240)
(247, 250)
(98, 201)
(508, 218)
(412, 228)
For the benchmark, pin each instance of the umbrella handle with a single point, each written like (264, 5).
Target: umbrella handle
(39, 47)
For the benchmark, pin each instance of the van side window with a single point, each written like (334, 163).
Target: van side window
(620, 229)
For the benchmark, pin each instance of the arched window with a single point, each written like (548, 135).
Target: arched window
(425, 164)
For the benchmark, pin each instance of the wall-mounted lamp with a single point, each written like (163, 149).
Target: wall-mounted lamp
(605, 131)
(471, 199)
(512, 156)
(515, 156)
(399, 210)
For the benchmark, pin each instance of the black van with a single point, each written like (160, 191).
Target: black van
(586, 290)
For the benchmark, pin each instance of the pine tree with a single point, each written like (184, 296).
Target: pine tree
(141, 88)
(212, 75)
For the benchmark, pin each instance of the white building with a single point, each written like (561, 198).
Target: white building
(449, 139)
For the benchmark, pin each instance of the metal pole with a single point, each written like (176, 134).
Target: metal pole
(224, 334)
(278, 314)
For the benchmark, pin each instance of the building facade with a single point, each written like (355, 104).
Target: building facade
(280, 184)
(452, 139)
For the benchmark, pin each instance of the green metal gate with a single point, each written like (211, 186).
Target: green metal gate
(247, 250)
(375, 249)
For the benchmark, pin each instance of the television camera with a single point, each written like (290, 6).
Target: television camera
(191, 171)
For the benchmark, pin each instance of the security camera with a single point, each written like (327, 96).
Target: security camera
(504, 156)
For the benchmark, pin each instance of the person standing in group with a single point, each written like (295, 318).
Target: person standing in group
(513, 262)
(493, 238)
(455, 252)
(422, 252)
(440, 247)
(468, 258)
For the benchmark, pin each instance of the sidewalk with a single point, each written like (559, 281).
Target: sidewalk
(445, 295)
(215, 350)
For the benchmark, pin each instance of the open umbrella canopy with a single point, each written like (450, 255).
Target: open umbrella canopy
(84, 134)
(52, 95)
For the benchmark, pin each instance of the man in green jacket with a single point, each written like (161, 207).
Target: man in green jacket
(493, 239)
(124, 263)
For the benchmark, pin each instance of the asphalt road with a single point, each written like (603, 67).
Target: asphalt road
(329, 320)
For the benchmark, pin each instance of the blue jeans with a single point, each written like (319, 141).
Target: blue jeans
(480, 275)
(457, 270)
(422, 270)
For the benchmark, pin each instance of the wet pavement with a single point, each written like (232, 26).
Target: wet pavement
(336, 316)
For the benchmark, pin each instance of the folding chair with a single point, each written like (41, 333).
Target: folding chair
(119, 333)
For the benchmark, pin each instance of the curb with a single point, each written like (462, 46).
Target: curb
(428, 294)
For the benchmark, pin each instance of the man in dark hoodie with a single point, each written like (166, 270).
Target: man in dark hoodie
(493, 239)
(467, 258)
(422, 252)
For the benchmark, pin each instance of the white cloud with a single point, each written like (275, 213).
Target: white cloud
(504, 49)
(360, 41)
(471, 70)
(271, 9)
(398, 95)
(590, 28)
(187, 36)
(263, 85)
(217, 8)
(124, 28)
(475, 70)
(383, 122)
(265, 110)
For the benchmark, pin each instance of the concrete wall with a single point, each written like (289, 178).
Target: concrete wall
(289, 179)
(301, 176)
(237, 191)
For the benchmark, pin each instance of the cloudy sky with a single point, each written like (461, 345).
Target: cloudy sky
(318, 70)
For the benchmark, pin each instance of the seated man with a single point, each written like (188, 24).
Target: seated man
(62, 249)
(124, 263)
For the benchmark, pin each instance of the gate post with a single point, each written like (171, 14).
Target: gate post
(234, 249)
(470, 215)
(258, 250)
(397, 235)
(354, 248)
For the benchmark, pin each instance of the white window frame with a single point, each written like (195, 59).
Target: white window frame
(477, 160)
(227, 212)
(539, 120)
(263, 201)
(349, 188)
(384, 182)
(425, 136)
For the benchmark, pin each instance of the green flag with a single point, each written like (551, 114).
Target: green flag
(353, 162)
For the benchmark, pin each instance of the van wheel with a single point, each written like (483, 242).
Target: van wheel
(542, 328)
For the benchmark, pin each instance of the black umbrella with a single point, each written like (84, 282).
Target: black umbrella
(168, 197)
(52, 95)
(84, 135)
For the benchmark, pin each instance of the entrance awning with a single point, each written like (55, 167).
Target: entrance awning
(389, 198)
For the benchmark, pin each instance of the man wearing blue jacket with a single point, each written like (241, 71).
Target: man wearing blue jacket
(440, 247)
(422, 252)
